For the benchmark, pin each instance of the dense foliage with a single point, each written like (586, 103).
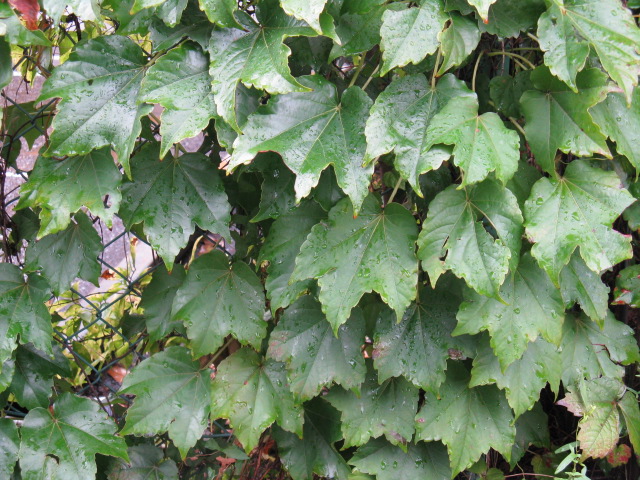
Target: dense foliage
(403, 247)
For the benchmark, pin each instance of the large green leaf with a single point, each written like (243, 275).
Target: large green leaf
(99, 85)
(171, 197)
(172, 395)
(68, 254)
(352, 256)
(61, 442)
(280, 249)
(578, 283)
(482, 142)
(61, 188)
(157, 299)
(254, 56)
(454, 230)
(22, 311)
(400, 118)
(315, 356)
(217, 300)
(558, 118)
(530, 306)
(423, 337)
(577, 210)
(389, 462)
(410, 34)
(486, 422)
(9, 446)
(312, 130)
(180, 82)
(459, 40)
(146, 462)
(252, 393)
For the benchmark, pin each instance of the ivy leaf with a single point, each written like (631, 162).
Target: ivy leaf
(62, 441)
(459, 40)
(523, 379)
(507, 18)
(423, 337)
(171, 197)
(68, 254)
(578, 283)
(609, 29)
(315, 356)
(482, 6)
(530, 306)
(316, 453)
(454, 230)
(409, 35)
(388, 462)
(558, 118)
(305, 128)
(342, 252)
(98, 85)
(157, 299)
(9, 446)
(482, 143)
(254, 56)
(307, 10)
(145, 462)
(577, 210)
(399, 121)
(216, 300)
(220, 12)
(172, 395)
(22, 311)
(487, 424)
(253, 393)
(61, 188)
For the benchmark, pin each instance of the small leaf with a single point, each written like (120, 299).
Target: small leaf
(627, 289)
(220, 12)
(145, 462)
(14, 31)
(631, 414)
(459, 40)
(580, 284)
(307, 10)
(531, 429)
(29, 11)
(482, 6)
(157, 299)
(506, 91)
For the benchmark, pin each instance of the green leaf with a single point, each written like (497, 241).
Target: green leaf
(87, 10)
(531, 429)
(580, 284)
(68, 254)
(423, 337)
(358, 30)
(352, 256)
(315, 356)
(487, 422)
(609, 29)
(9, 445)
(507, 18)
(171, 197)
(399, 121)
(558, 118)
(627, 291)
(252, 393)
(220, 12)
(180, 82)
(171, 11)
(22, 311)
(98, 85)
(142, 4)
(172, 395)
(145, 462)
(523, 379)
(482, 143)
(506, 91)
(16, 33)
(454, 230)
(577, 210)
(590, 351)
(62, 441)
(315, 454)
(277, 196)
(157, 299)
(388, 462)
(482, 6)
(459, 40)
(217, 300)
(6, 374)
(409, 35)
(629, 409)
(312, 130)
(530, 306)
(254, 56)
(307, 10)
(61, 188)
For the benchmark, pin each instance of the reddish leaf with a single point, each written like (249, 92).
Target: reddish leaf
(619, 455)
(29, 9)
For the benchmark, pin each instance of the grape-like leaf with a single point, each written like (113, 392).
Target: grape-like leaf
(171, 197)
(459, 40)
(487, 422)
(157, 299)
(145, 462)
(254, 56)
(220, 12)
(99, 85)
(252, 393)
(577, 210)
(399, 121)
(352, 256)
(507, 18)
(312, 130)
(530, 306)
(172, 395)
(315, 356)
(454, 230)
(62, 187)
(358, 29)
(68, 254)
(578, 283)
(62, 441)
(482, 142)
(9, 446)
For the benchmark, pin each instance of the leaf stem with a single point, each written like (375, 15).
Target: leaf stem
(357, 73)
(518, 126)
(395, 190)
(514, 55)
(533, 37)
(435, 69)
(475, 71)
(366, 84)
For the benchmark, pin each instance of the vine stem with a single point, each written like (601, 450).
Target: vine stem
(395, 190)
(514, 55)
(366, 84)
(357, 73)
(435, 69)
(475, 71)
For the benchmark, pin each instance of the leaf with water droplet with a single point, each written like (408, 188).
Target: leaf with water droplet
(9, 445)
(578, 283)
(145, 462)
(157, 299)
